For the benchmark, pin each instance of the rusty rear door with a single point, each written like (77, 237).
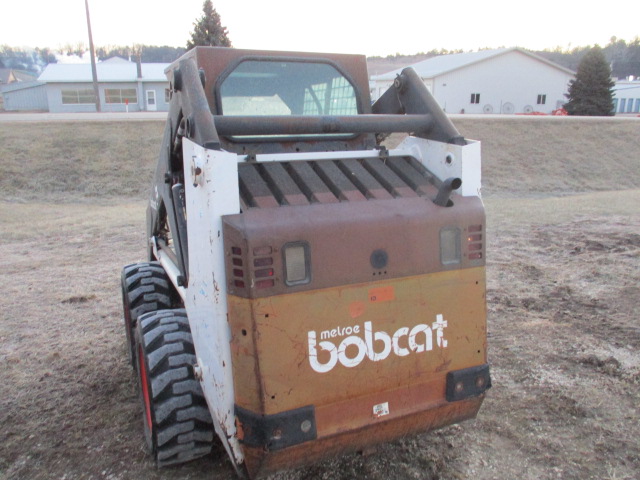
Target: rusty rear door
(351, 322)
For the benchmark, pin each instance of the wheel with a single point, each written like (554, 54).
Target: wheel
(145, 288)
(177, 423)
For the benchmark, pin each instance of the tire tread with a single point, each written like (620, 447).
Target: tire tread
(182, 426)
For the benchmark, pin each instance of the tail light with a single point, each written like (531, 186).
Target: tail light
(474, 242)
(263, 273)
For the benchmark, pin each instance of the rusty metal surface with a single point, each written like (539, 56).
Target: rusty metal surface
(410, 95)
(307, 125)
(260, 463)
(373, 234)
(363, 180)
(273, 370)
(284, 187)
(372, 178)
(335, 179)
(383, 171)
(312, 185)
(343, 236)
(216, 61)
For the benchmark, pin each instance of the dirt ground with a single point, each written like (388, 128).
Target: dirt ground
(564, 337)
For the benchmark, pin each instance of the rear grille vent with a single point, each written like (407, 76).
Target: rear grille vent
(474, 242)
(273, 184)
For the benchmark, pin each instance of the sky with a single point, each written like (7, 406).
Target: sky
(340, 26)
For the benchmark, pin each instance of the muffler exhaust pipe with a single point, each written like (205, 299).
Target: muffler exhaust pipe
(444, 192)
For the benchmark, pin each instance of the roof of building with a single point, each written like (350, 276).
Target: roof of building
(12, 87)
(116, 59)
(22, 76)
(6, 74)
(626, 86)
(10, 75)
(108, 71)
(435, 66)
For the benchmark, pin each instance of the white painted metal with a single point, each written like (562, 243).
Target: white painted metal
(445, 160)
(214, 193)
(309, 156)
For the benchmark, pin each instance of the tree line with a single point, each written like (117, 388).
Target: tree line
(34, 60)
(623, 56)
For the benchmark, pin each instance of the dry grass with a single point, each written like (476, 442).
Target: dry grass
(527, 156)
(554, 210)
(562, 293)
(73, 162)
(77, 161)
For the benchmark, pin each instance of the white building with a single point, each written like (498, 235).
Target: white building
(24, 96)
(626, 96)
(507, 80)
(123, 86)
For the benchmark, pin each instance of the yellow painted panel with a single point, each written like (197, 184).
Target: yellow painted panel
(332, 345)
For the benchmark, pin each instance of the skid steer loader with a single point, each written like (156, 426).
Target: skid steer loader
(309, 292)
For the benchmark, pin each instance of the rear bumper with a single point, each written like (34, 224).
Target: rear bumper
(260, 461)
(308, 434)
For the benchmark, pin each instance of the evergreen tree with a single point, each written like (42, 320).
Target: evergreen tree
(208, 30)
(591, 92)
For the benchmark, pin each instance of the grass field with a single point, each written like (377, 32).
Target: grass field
(563, 269)
(100, 162)
(78, 162)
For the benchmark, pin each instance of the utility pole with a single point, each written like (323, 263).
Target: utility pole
(92, 52)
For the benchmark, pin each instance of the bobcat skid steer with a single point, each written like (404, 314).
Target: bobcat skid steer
(309, 292)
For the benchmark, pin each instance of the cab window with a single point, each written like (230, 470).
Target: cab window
(287, 88)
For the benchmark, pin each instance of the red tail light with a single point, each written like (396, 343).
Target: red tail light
(474, 242)
(262, 258)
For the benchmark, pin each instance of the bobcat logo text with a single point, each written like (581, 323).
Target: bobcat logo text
(376, 345)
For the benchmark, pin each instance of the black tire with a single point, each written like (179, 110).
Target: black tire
(177, 423)
(145, 288)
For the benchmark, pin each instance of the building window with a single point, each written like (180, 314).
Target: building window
(542, 99)
(623, 105)
(120, 95)
(78, 96)
(475, 98)
(167, 95)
